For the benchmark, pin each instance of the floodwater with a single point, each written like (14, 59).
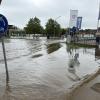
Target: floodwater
(44, 69)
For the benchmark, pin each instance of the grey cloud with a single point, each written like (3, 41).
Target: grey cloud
(18, 12)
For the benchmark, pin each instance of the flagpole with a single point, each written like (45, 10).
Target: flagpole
(98, 18)
(97, 26)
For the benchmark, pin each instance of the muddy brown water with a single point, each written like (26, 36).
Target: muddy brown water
(40, 69)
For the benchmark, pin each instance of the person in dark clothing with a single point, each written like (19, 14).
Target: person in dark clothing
(48, 37)
(97, 40)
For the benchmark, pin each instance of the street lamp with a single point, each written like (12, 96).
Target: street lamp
(54, 24)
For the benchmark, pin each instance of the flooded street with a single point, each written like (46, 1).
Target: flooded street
(44, 69)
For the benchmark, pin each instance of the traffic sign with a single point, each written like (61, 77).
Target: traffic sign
(3, 29)
(3, 25)
(0, 1)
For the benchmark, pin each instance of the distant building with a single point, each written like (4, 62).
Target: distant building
(88, 31)
(14, 31)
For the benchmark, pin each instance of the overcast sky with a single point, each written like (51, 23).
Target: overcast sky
(18, 12)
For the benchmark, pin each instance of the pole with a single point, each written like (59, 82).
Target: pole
(98, 37)
(5, 60)
(98, 26)
(54, 27)
(98, 18)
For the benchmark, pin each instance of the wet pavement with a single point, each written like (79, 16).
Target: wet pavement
(44, 69)
(89, 91)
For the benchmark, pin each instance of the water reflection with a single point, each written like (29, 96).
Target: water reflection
(74, 60)
(73, 55)
(53, 47)
(46, 77)
(73, 63)
(34, 46)
(6, 40)
(7, 93)
(96, 87)
(97, 53)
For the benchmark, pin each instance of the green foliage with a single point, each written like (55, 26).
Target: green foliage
(34, 26)
(52, 28)
(63, 31)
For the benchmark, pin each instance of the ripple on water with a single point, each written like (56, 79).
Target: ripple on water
(49, 76)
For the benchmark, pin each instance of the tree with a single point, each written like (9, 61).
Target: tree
(34, 26)
(52, 28)
(63, 31)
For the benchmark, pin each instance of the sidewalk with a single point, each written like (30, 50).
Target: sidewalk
(89, 91)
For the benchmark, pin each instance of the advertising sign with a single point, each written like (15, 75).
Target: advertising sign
(73, 18)
(79, 22)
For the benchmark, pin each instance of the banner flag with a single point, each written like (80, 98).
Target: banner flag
(79, 22)
(73, 18)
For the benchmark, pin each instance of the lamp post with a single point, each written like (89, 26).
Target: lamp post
(54, 24)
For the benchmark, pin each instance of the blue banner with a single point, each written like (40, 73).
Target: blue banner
(79, 22)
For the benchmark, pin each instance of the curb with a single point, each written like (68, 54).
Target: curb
(80, 84)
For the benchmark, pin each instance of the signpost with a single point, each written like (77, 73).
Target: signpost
(0, 1)
(3, 29)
